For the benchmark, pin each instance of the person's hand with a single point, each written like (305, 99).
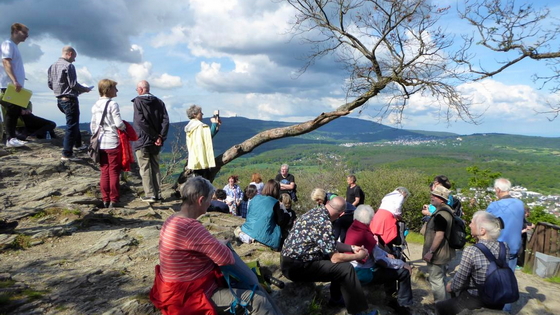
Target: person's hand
(428, 257)
(425, 210)
(362, 252)
(18, 87)
(25, 112)
(407, 267)
(391, 256)
(159, 142)
(448, 287)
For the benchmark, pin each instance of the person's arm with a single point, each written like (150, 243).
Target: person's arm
(359, 254)
(381, 258)
(7, 62)
(73, 81)
(281, 217)
(289, 186)
(461, 279)
(438, 239)
(164, 126)
(116, 114)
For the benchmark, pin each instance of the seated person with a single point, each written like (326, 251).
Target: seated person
(286, 202)
(311, 254)
(248, 194)
(30, 126)
(187, 279)
(380, 267)
(265, 218)
(384, 223)
(218, 203)
(472, 269)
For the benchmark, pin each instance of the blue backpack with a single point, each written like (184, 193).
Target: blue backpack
(500, 286)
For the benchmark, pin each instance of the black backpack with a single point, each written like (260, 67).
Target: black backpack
(457, 238)
(500, 286)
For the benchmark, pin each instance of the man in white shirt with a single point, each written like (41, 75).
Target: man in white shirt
(14, 73)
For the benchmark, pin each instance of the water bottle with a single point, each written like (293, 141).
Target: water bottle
(48, 135)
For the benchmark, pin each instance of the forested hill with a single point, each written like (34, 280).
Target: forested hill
(234, 130)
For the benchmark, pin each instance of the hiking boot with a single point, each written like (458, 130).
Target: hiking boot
(70, 159)
(106, 204)
(82, 148)
(150, 199)
(15, 143)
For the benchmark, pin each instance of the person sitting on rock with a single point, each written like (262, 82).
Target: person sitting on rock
(380, 267)
(265, 218)
(188, 277)
(472, 270)
(312, 254)
(218, 203)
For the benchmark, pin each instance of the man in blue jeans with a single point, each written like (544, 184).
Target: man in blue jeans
(512, 212)
(64, 83)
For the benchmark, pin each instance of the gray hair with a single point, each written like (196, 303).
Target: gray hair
(364, 214)
(318, 194)
(194, 188)
(403, 191)
(489, 222)
(193, 111)
(503, 184)
(285, 166)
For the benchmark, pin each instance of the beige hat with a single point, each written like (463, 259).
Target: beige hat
(441, 192)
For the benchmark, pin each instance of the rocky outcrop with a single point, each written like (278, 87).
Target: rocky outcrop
(69, 256)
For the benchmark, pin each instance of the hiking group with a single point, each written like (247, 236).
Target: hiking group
(341, 240)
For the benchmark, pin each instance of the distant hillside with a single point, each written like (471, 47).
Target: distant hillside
(234, 130)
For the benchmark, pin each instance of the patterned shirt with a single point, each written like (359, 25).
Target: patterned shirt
(187, 251)
(311, 238)
(472, 270)
(108, 135)
(63, 80)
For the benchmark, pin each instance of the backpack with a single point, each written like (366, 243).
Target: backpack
(457, 238)
(500, 286)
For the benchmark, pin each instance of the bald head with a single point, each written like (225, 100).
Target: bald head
(143, 87)
(336, 207)
(69, 53)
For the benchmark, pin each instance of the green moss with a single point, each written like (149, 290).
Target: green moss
(6, 283)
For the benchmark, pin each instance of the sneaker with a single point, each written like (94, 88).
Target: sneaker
(71, 159)
(82, 148)
(106, 204)
(148, 199)
(15, 143)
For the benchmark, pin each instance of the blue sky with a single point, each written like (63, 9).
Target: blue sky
(235, 56)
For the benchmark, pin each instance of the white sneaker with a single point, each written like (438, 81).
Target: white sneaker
(15, 143)
(72, 159)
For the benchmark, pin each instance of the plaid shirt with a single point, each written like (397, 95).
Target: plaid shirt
(311, 238)
(63, 80)
(472, 270)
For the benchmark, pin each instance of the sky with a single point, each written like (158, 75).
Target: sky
(239, 57)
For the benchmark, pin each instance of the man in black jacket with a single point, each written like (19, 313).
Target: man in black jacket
(151, 123)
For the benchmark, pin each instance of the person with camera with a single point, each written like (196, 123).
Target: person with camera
(199, 141)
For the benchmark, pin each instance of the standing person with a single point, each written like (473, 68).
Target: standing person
(14, 73)
(151, 123)
(199, 142)
(436, 251)
(354, 193)
(512, 213)
(287, 182)
(485, 227)
(64, 83)
(110, 153)
(188, 276)
(311, 254)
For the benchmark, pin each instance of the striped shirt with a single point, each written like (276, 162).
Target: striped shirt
(109, 137)
(473, 266)
(187, 251)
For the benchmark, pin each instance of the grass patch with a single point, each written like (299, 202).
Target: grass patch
(6, 283)
(33, 295)
(315, 307)
(553, 279)
(54, 211)
(22, 241)
(415, 238)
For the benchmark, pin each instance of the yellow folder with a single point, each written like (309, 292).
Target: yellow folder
(20, 99)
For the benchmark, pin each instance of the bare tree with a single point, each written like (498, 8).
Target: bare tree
(394, 49)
